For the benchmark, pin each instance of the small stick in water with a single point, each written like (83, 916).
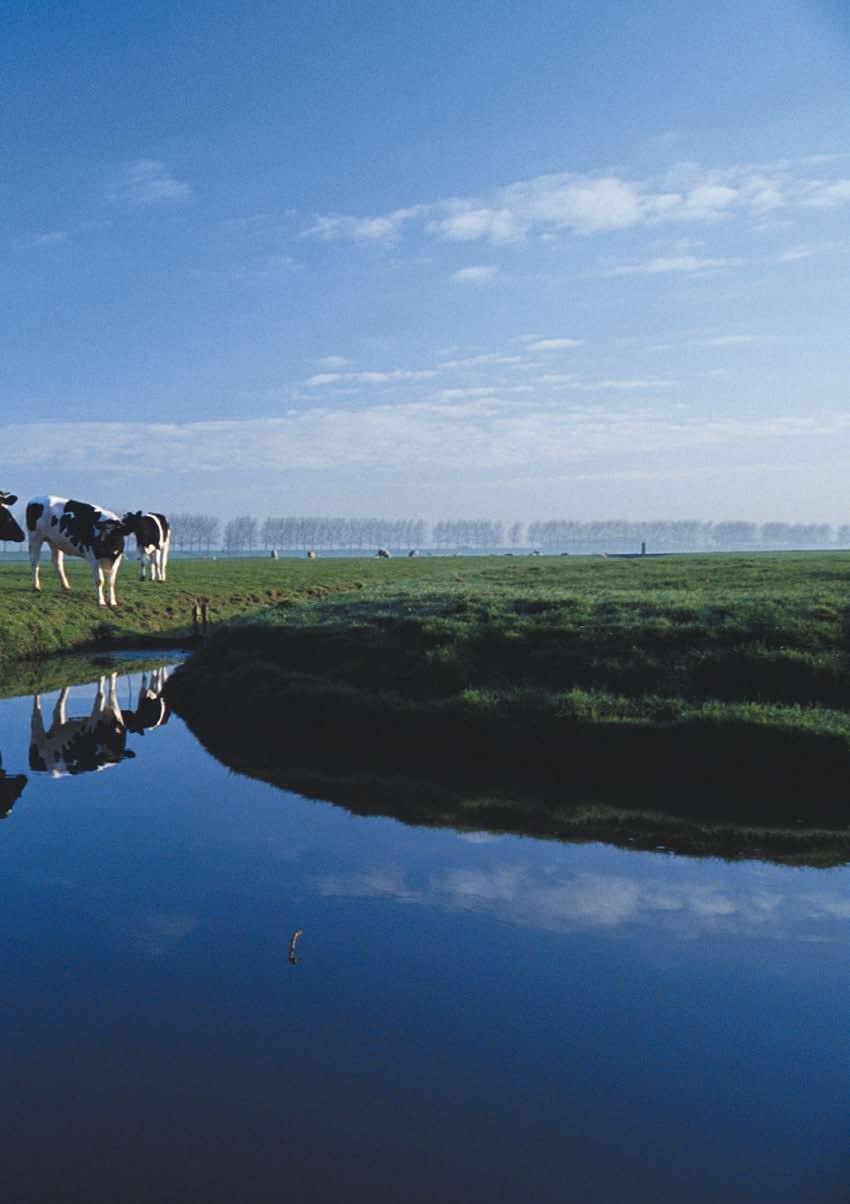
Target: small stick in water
(293, 960)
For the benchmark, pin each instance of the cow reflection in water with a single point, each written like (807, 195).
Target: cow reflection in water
(98, 740)
(151, 708)
(11, 786)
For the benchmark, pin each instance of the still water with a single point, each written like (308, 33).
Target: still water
(464, 1018)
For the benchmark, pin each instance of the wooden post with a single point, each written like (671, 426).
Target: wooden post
(199, 615)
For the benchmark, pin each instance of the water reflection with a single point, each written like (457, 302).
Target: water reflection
(81, 742)
(11, 787)
(571, 899)
(98, 740)
(512, 1018)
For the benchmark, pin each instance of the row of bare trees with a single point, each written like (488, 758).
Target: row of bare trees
(685, 533)
(203, 533)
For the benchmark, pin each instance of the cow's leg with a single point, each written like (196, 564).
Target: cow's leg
(59, 708)
(111, 574)
(97, 572)
(37, 731)
(35, 541)
(156, 564)
(142, 559)
(112, 704)
(58, 558)
(163, 557)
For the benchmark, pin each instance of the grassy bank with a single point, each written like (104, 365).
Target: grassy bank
(36, 625)
(718, 684)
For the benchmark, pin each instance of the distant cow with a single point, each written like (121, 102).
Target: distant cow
(311, 555)
(383, 554)
(153, 539)
(76, 529)
(79, 745)
(9, 529)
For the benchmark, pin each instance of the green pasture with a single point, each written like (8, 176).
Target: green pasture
(720, 681)
(35, 625)
(723, 678)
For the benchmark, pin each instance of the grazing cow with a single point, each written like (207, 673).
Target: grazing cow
(383, 554)
(151, 708)
(76, 529)
(153, 539)
(9, 529)
(311, 555)
(82, 745)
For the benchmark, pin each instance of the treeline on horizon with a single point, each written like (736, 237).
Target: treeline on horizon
(244, 533)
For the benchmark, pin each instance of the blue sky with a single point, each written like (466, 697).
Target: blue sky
(570, 259)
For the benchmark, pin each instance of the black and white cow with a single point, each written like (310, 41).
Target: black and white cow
(153, 539)
(11, 786)
(79, 745)
(9, 529)
(152, 710)
(75, 528)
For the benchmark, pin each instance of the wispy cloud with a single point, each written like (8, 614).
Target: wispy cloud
(660, 264)
(381, 230)
(369, 378)
(578, 901)
(483, 432)
(585, 204)
(50, 238)
(825, 195)
(148, 182)
(807, 251)
(606, 901)
(558, 344)
(729, 340)
(475, 275)
(333, 361)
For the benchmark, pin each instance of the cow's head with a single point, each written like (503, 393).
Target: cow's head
(108, 543)
(132, 521)
(9, 529)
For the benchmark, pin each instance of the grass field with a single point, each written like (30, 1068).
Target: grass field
(34, 625)
(718, 686)
(723, 677)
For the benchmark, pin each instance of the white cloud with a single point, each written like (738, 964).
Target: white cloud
(612, 384)
(369, 378)
(467, 224)
(671, 263)
(591, 203)
(476, 432)
(486, 359)
(475, 275)
(577, 901)
(828, 195)
(148, 182)
(729, 340)
(51, 238)
(559, 344)
(747, 902)
(383, 230)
